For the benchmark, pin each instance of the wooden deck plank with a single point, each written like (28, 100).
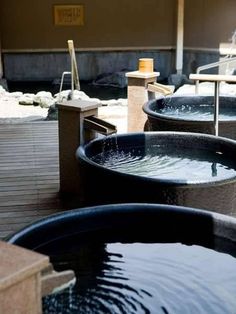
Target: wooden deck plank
(29, 174)
(25, 207)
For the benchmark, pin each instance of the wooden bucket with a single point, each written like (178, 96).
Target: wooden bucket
(145, 65)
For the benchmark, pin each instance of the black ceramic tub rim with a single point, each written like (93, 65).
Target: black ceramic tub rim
(153, 114)
(81, 156)
(94, 218)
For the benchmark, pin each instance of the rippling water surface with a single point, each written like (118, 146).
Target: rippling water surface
(148, 278)
(187, 165)
(201, 112)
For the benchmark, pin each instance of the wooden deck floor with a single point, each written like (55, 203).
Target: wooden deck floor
(29, 174)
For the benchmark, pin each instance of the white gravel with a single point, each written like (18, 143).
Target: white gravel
(12, 112)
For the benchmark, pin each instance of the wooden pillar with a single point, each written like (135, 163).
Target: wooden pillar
(137, 96)
(180, 37)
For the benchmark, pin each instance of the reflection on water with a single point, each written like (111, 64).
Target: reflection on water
(147, 278)
(173, 163)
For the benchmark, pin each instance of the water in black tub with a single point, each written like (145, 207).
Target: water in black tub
(201, 112)
(146, 278)
(187, 165)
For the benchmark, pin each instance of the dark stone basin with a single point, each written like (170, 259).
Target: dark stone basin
(80, 239)
(183, 183)
(191, 114)
(58, 233)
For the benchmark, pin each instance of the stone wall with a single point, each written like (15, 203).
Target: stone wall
(50, 66)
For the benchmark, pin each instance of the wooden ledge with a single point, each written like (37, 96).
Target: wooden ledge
(213, 77)
(142, 75)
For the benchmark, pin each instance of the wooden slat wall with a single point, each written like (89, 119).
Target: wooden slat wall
(29, 174)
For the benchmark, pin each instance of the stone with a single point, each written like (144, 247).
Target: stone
(2, 91)
(52, 112)
(66, 95)
(3, 83)
(117, 79)
(44, 99)
(60, 97)
(26, 99)
(15, 94)
(178, 80)
(115, 102)
(78, 94)
(207, 88)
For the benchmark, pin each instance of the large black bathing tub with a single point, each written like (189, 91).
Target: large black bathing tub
(193, 113)
(187, 169)
(139, 258)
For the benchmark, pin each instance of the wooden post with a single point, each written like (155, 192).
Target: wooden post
(71, 116)
(137, 95)
(20, 279)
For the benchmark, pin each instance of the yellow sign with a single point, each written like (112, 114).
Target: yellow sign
(68, 15)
